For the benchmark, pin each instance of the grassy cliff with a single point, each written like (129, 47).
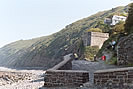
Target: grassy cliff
(48, 50)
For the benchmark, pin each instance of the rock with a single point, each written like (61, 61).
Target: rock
(125, 51)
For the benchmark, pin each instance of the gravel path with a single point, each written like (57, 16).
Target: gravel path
(91, 67)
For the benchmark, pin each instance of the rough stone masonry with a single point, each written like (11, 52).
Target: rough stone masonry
(63, 75)
(121, 77)
(125, 51)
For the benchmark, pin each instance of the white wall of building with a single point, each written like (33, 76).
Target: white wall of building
(116, 19)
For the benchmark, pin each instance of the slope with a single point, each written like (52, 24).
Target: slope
(48, 51)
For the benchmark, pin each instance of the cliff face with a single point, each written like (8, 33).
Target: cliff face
(125, 51)
(48, 51)
(27, 53)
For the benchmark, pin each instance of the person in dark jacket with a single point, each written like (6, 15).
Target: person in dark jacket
(75, 56)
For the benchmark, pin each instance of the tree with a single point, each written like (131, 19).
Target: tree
(129, 21)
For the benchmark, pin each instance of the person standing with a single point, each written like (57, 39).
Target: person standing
(94, 57)
(113, 44)
(75, 56)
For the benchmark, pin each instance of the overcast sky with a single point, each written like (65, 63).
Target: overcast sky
(26, 19)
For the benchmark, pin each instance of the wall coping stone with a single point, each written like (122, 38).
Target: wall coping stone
(99, 34)
(62, 63)
(68, 71)
(115, 70)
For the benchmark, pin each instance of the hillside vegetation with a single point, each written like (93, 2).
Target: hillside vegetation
(119, 32)
(48, 50)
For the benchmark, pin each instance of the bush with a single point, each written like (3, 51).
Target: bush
(90, 51)
(129, 65)
(94, 30)
(113, 61)
(119, 28)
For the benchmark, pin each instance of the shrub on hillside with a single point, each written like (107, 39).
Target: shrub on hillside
(90, 51)
(118, 28)
(113, 61)
(106, 43)
(94, 30)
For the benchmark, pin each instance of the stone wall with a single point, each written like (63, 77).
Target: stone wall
(125, 51)
(64, 65)
(62, 75)
(95, 39)
(65, 78)
(121, 77)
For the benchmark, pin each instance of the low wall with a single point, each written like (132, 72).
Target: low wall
(66, 78)
(66, 64)
(114, 77)
(62, 75)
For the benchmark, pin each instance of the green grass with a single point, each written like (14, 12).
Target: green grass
(113, 61)
(129, 65)
(90, 51)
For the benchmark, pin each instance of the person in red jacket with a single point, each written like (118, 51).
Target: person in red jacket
(103, 58)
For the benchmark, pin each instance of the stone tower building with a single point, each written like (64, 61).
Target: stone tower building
(125, 51)
(95, 39)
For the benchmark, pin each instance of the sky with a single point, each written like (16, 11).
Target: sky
(27, 19)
